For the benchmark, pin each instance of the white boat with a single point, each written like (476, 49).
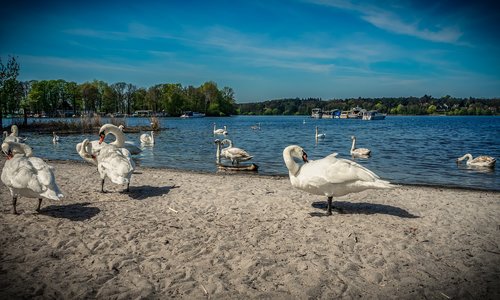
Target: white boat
(192, 114)
(373, 115)
(317, 113)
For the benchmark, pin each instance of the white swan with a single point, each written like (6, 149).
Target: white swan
(220, 130)
(319, 135)
(148, 139)
(329, 176)
(15, 133)
(91, 148)
(86, 151)
(235, 155)
(480, 161)
(113, 161)
(256, 126)
(129, 145)
(27, 176)
(359, 152)
(55, 138)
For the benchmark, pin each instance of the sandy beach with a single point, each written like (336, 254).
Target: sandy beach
(189, 235)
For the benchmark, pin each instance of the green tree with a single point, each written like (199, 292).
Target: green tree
(431, 109)
(10, 90)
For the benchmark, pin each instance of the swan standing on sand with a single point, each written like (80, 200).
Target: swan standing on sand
(27, 176)
(220, 130)
(148, 139)
(359, 152)
(55, 138)
(480, 161)
(130, 146)
(113, 161)
(319, 135)
(329, 176)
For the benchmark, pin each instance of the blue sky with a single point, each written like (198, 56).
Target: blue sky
(265, 49)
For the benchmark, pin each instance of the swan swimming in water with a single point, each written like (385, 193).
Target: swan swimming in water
(256, 126)
(319, 135)
(27, 176)
(220, 130)
(235, 155)
(55, 138)
(480, 161)
(148, 139)
(113, 161)
(329, 176)
(359, 152)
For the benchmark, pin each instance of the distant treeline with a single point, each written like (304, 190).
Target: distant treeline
(426, 105)
(58, 98)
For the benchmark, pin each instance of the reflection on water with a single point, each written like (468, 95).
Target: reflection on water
(413, 150)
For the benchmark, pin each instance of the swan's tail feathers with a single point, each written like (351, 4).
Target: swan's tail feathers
(52, 195)
(117, 179)
(378, 184)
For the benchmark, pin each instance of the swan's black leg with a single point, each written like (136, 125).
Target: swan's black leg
(128, 186)
(102, 186)
(14, 203)
(39, 204)
(329, 208)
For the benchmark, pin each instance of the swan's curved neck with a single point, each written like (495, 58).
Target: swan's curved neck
(291, 164)
(353, 144)
(119, 136)
(14, 130)
(467, 156)
(152, 137)
(217, 155)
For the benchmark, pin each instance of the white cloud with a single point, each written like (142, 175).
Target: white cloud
(390, 21)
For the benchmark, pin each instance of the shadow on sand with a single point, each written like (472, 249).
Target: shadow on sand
(147, 191)
(73, 212)
(363, 208)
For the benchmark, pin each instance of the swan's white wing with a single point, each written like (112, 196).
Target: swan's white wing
(116, 164)
(237, 152)
(333, 170)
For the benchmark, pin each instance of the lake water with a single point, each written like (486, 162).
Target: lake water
(405, 149)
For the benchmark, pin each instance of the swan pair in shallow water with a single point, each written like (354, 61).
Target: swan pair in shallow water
(220, 130)
(234, 154)
(329, 176)
(27, 176)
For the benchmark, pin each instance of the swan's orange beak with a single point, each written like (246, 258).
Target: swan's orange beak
(9, 155)
(304, 157)
(101, 138)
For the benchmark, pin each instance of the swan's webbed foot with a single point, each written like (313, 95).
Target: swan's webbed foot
(39, 204)
(14, 203)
